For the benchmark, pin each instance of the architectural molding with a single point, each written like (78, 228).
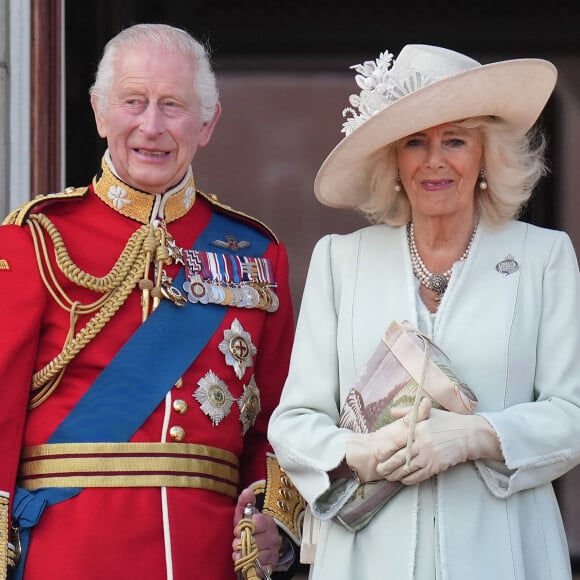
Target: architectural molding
(46, 85)
(19, 102)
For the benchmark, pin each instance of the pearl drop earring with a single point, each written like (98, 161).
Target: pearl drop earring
(482, 181)
(398, 182)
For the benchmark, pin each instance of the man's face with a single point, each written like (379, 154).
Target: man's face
(152, 118)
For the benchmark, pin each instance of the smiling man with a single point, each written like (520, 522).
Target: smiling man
(145, 333)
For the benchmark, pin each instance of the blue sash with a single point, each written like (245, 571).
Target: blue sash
(133, 384)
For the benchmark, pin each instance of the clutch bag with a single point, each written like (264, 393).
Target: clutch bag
(404, 368)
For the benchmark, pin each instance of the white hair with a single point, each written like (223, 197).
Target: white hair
(160, 37)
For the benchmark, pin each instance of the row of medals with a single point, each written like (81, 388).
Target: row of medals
(243, 295)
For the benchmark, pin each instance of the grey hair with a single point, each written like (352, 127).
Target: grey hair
(514, 162)
(160, 37)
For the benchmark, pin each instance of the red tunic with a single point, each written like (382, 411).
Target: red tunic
(120, 532)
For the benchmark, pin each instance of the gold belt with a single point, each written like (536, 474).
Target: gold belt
(129, 465)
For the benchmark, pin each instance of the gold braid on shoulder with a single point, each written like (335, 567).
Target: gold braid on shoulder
(115, 288)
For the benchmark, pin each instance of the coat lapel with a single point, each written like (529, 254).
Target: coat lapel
(383, 288)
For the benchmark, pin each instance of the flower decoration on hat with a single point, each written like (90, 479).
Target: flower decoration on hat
(380, 87)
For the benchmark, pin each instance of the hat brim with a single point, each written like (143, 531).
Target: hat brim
(515, 91)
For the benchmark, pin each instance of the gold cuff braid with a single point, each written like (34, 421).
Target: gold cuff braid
(282, 500)
(7, 555)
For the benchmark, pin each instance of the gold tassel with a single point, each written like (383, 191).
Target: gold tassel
(145, 285)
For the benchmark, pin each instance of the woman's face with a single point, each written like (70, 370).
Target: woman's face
(439, 169)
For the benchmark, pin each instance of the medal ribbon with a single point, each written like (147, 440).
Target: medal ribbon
(227, 269)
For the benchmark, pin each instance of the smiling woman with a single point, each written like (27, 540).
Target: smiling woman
(440, 154)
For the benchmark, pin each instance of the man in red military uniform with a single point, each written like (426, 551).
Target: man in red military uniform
(145, 332)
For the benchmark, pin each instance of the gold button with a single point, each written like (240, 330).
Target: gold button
(179, 383)
(177, 433)
(180, 406)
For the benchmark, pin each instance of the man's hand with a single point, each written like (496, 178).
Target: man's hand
(268, 539)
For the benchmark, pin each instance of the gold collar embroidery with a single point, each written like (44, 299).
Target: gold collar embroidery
(139, 205)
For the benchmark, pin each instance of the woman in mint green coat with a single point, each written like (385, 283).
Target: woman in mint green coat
(441, 155)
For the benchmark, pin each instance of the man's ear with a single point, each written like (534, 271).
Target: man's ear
(99, 117)
(208, 127)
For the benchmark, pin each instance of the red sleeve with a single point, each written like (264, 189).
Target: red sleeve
(22, 302)
(271, 369)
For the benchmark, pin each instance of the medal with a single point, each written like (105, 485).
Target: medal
(170, 292)
(214, 397)
(238, 348)
(249, 404)
(196, 290)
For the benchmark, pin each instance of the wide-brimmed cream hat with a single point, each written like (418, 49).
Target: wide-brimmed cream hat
(425, 87)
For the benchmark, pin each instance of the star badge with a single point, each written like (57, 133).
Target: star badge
(214, 397)
(250, 405)
(238, 348)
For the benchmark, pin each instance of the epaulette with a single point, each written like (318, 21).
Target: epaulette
(20, 214)
(226, 209)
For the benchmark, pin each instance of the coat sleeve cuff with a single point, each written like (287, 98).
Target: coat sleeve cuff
(282, 500)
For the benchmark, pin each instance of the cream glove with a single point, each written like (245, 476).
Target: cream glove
(444, 440)
(364, 451)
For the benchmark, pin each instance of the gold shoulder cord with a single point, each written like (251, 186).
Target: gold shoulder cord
(115, 287)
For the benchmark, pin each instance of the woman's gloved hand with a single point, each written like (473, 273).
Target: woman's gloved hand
(364, 451)
(442, 441)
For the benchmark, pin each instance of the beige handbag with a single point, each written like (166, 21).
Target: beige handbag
(405, 367)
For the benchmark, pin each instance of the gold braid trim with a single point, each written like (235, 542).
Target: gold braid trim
(116, 287)
(282, 500)
(127, 259)
(20, 214)
(4, 555)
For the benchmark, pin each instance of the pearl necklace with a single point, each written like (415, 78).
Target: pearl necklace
(436, 282)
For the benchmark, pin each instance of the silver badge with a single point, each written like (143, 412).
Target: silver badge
(214, 397)
(250, 405)
(507, 266)
(196, 290)
(238, 348)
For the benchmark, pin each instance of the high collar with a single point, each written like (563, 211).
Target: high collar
(139, 205)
